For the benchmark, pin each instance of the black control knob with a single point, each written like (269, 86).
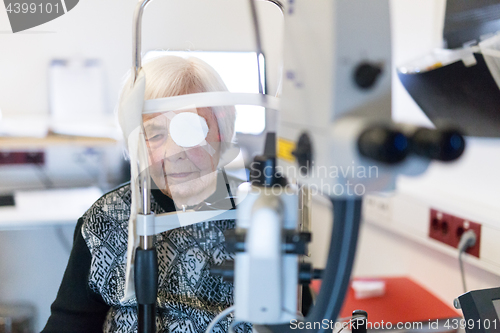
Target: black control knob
(360, 320)
(297, 242)
(304, 153)
(366, 74)
(263, 168)
(307, 273)
(438, 144)
(383, 144)
(263, 172)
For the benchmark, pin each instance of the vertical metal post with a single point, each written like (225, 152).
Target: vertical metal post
(146, 262)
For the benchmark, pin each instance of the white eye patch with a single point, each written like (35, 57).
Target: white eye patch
(188, 129)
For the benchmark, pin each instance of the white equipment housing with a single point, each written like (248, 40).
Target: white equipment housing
(266, 278)
(325, 43)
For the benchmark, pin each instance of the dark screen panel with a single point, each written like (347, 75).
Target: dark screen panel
(467, 20)
(467, 97)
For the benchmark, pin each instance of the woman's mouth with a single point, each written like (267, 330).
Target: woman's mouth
(179, 175)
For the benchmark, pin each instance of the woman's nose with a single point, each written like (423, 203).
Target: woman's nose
(173, 152)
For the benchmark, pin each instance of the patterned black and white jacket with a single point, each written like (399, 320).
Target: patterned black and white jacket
(189, 297)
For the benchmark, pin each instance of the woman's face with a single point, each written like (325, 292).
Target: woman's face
(186, 174)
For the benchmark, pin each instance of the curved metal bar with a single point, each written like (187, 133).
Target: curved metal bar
(137, 33)
(137, 38)
(258, 43)
(278, 3)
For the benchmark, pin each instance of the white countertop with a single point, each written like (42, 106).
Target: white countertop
(47, 207)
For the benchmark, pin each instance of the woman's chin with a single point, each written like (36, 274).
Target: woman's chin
(192, 192)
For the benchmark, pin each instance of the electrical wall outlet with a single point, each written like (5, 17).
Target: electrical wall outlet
(461, 226)
(448, 229)
(441, 226)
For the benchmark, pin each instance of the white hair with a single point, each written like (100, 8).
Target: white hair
(168, 76)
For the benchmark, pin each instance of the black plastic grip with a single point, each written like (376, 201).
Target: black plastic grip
(146, 318)
(146, 276)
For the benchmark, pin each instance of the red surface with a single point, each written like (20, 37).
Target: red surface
(404, 301)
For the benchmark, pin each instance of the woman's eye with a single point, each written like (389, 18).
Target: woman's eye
(156, 137)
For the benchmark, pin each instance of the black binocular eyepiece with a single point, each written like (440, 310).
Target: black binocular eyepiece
(391, 146)
(438, 144)
(383, 144)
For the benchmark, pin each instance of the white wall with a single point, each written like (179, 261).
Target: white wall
(103, 30)
(417, 29)
(91, 30)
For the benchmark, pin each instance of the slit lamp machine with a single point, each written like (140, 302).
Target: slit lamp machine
(335, 110)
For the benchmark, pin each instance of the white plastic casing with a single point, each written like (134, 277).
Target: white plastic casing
(266, 279)
(325, 42)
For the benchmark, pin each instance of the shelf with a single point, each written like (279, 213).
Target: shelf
(9, 143)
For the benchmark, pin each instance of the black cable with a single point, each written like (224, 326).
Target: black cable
(467, 240)
(462, 273)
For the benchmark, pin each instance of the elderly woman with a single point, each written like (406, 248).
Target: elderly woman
(90, 298)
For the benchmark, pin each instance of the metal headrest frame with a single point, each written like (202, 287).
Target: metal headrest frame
(137, 64)
(137, 33)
